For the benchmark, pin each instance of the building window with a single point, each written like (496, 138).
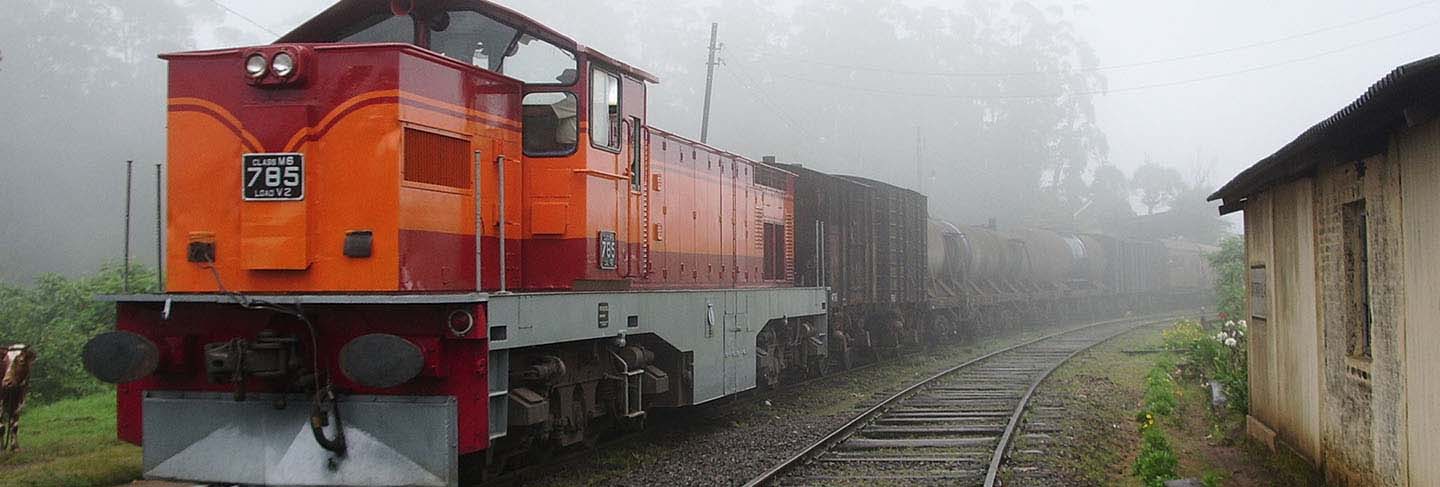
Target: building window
(605, 109)
(1357, 278)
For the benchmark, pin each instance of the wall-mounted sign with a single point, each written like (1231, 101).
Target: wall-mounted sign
(1259, 294)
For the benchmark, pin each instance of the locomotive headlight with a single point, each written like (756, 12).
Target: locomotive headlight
(255, 66)
(283, 65)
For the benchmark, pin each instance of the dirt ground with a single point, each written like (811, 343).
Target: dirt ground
(1097, 437)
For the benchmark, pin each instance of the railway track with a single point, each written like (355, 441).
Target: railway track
(953, 428)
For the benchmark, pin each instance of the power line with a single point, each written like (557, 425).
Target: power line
(243, 17)
(981, 74)
(747, 82)
(1108, 91)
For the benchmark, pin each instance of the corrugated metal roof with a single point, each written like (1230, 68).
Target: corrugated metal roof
(1376, 109)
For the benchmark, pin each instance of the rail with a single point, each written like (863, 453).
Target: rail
(848, 430)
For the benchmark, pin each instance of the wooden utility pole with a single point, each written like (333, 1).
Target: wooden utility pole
(709, 82)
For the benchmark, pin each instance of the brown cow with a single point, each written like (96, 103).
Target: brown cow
(14, 383)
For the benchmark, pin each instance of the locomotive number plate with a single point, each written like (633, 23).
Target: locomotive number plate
(609, 250)
(273, 177)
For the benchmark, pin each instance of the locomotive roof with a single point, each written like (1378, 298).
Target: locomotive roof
(345, 12)
(1358, 130)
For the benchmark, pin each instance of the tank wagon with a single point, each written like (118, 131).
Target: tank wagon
(415, 236)
(982, 280)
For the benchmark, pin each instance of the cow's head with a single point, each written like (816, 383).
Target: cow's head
(18, 359)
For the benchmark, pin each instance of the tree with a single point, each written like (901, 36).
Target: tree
(1156, 185)
(1108, 201)
(84, 92)
(56, 316)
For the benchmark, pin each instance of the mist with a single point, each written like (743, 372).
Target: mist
(1030, 113)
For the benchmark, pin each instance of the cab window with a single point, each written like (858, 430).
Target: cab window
(538, 62)
(605, 109)
(471, 37)
(475, 38)
(550, 123)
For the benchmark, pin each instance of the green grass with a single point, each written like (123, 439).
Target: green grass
(70, 442)
(1156, 461)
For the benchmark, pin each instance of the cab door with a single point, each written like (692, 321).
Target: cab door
(639, 195)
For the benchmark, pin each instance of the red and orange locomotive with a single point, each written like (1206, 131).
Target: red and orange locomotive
(414, 231)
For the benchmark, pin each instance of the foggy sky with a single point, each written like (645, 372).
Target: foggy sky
(1235, 120)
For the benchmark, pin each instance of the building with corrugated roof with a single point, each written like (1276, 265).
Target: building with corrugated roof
(1342, 240)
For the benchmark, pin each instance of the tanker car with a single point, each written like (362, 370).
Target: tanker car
(457, 241)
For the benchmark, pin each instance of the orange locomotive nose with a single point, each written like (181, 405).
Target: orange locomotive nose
(329, 167)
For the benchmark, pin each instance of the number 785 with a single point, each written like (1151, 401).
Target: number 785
(288, 176)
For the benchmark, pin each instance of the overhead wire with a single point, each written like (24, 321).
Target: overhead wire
(750, 84)
(1184, 57)
(232, 11)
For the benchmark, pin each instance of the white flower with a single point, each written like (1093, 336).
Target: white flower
(1220, 337)
(1230, 342)
(1230, 324)
(1241, 323)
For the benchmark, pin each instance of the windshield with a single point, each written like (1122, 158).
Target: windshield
(380, 28)
(488, 43)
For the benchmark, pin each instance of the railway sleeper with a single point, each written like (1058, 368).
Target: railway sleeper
(892, 431)
(879, 443)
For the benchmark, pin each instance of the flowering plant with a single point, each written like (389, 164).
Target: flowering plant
(1221, 356)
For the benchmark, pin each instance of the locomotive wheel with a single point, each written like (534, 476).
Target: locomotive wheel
(820, 367)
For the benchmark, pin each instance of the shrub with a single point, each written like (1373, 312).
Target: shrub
(56, 317)
(1221, 357)
(1228, 263)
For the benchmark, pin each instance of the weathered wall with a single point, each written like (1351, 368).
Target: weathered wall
(1295, 325)
(1284, 348)
(1258, 245)
(1363, 419)
(1418, 154)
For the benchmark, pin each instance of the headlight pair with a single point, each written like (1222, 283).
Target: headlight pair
(282, 64)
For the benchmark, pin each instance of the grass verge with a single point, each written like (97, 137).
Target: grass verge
(70, 442)
(1103, 435)
(1156, 461)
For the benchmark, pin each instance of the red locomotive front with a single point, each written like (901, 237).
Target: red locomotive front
(413, 231)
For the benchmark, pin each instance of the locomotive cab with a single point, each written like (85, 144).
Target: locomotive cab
(400, 120)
